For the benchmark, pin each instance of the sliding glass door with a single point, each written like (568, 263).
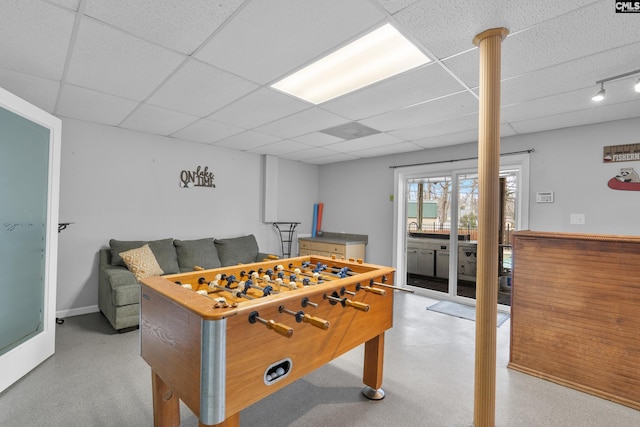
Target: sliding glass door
(436, 224)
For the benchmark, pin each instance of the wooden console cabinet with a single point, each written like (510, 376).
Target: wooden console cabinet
(334, 244)
(575, 312)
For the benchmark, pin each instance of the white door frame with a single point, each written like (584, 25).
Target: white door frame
(402, 174)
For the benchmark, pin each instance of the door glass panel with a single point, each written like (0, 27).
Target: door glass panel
(468, 235)
(24, 160)
(428, 225)
(468, 231)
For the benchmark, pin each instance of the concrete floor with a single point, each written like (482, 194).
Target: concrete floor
(96, 378)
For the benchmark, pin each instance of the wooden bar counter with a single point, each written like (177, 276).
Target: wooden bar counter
(575, 315)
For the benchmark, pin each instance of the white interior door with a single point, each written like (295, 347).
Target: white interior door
(29, 180)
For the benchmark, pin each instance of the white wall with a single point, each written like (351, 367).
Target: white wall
(125, 185)
(566, 161)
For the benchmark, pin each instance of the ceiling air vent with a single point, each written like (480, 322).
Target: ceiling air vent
(350, 130)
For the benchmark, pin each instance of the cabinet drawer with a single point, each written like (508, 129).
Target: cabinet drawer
(331, 248)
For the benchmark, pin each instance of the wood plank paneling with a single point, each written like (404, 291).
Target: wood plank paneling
(575, 313)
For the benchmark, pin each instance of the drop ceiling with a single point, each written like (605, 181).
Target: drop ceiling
(201, 70)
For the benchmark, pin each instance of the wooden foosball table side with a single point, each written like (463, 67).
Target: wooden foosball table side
(217, 362)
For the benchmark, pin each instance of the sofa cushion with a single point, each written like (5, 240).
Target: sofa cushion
(141, 262)
(163, 250)
(238, 250)
(201, 252)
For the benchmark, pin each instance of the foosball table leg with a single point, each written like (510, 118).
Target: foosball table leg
(373, 361)
(166, 405)
(232, 421)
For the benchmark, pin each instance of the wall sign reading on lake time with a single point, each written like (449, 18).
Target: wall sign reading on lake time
(197, 178)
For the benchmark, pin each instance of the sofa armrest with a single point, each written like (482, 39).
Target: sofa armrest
(117, 286)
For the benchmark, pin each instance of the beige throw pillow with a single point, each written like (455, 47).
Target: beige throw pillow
(141, 262)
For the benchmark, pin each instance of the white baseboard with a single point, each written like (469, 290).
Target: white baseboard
(77, 311)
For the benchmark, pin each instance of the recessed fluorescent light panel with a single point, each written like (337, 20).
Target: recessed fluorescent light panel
(376, 56)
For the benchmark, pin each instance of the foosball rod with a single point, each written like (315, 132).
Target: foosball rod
(233, 291)
(372, 282)
(279, 328)
(306, 318)
(347, 302)
(396, 288)
(358, 286)
(280, 267)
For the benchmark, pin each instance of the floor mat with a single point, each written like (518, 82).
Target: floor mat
(462, 311)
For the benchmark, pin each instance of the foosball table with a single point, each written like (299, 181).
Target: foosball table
(223, 339)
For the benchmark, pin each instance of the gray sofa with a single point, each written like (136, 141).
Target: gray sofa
(119, 291)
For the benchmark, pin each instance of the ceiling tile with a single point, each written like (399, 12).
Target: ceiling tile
(332, 158)
(302, 123)
(308, 154)
(294, 33)
(247, 140)
(433, 111)
(317, 139)
(199, 89)
(114, 62)
(572, 36)
(260, 107)
(419, 85)
(448, 139)
(446, 28)
(182, 25)
(207, 131)
(568, 76)
(364, 143)
(34, 37)
(578, 118)
(279, 148)
(460, 123)
(156, 120)
(85, 104)
(393, 6)
(40, 92)
(617, 92)
(605, 113)
(69, 4)
(401, 147)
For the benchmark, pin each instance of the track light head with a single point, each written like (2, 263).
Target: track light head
(600, 95)
(637, 86)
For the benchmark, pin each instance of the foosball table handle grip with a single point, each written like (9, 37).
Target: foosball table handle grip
(281, 329)
(316, 321)
(376, 291)
(357, 305)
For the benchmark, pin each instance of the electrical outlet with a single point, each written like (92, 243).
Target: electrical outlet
(577, 219)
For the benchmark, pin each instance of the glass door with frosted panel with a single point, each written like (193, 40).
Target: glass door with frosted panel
(24, 166)
(29, 180)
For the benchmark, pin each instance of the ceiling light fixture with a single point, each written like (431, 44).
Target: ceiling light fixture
(376, 56)
(601, 93)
